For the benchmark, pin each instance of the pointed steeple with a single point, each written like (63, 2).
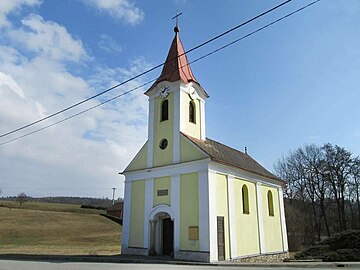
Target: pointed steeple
(177, 65)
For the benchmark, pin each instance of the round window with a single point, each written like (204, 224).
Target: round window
(163, 144)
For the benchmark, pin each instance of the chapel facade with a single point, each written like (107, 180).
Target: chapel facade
(190, 197)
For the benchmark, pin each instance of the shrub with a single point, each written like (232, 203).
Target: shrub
(344, 246)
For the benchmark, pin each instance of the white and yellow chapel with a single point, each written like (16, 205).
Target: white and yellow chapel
(190, 197)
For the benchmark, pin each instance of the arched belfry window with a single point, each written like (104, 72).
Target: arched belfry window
(164, 110)
(270, 203)
(192, 112)
(245, 199)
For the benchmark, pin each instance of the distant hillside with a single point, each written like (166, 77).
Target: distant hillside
(98, 202)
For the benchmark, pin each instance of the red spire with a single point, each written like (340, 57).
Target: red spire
(177, 65)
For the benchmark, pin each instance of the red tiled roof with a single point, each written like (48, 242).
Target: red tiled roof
(176, 66)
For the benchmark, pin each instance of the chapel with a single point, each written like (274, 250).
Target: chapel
(188, 196)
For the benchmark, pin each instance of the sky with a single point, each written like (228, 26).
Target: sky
(295, 83)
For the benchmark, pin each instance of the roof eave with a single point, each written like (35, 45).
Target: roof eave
(280, 181)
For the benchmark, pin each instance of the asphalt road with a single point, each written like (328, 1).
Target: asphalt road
(32, 265)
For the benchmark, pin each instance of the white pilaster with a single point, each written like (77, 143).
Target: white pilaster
(181, 111)
(202, 119)
(126, 216)
(149, 185)
(260, 218)
(212, 216)
(204, 234)
(176, 147)
(175, 206)
(283, 222)
(150, 144)
(231, 212)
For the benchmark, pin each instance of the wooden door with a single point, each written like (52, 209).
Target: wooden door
(221, 238)
(168, 237)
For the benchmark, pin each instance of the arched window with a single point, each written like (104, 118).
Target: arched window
(192, 112)
(270, 203)
(164, 110)
(245, 199)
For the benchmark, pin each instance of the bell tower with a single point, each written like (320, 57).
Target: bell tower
(176, 105)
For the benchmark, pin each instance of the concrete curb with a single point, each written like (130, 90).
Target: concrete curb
(163, 260)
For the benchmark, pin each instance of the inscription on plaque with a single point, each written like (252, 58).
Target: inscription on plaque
(162, 192)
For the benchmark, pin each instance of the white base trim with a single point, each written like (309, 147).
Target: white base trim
(135, 251)
(197, 256)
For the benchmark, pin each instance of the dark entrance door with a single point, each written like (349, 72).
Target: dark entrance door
(221, 238)
(168, 237)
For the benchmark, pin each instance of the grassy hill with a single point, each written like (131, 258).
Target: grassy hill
(47, 228)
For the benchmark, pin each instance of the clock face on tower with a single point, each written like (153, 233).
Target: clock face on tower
(164, 91)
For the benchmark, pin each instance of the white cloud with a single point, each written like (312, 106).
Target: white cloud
(8, 6)
(87, 151)
(81, 157)
(119, 9)
(48, 38)
(109, 45)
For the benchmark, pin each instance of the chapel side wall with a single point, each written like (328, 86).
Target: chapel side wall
(222, 208)
(247, 236)
(136, 236)
(189, 210)
(272, 224)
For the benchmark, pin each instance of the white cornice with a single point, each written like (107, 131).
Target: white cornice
(172, 169)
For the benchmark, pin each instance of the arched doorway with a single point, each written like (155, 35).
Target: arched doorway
(161, 233)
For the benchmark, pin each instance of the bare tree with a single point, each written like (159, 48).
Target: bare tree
(21, 198)
(324, 183)
(339, 165)
(355, 173)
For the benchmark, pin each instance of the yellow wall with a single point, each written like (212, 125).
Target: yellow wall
(190, 128)
(189, 210)
(189, 152)
(247, 236)
(222, 208)
(139, 161)
(272, 224)
(137, 214)
(164, 129)
(159, 184)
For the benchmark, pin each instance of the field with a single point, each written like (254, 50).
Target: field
(62, 229)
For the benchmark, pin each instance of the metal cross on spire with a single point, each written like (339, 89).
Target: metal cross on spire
(176, 29)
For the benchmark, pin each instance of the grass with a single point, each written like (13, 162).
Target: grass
(56, 229)
(57, 207)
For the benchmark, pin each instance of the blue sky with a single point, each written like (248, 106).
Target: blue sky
(294, 83)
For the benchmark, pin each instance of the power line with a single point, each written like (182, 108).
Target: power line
(76, 114)
(145, 72)
(196, 60)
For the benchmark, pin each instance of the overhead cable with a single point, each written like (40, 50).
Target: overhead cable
(151, 81)
(145, 72)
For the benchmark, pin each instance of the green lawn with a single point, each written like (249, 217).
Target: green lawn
(45, 228)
